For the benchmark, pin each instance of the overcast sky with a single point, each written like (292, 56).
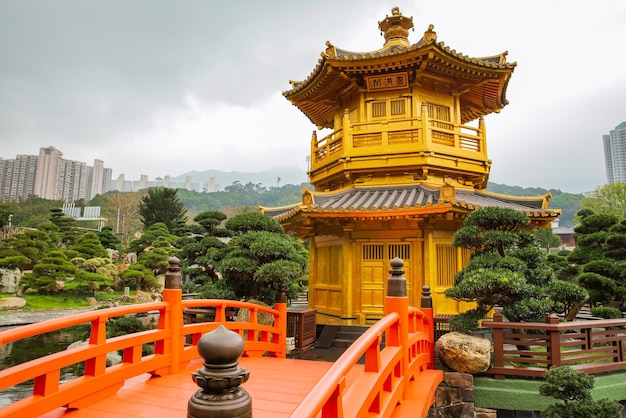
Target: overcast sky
(162, 87)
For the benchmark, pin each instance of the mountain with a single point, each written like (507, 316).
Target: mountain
(268, 178)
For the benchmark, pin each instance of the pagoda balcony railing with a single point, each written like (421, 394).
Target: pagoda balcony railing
(398, 136)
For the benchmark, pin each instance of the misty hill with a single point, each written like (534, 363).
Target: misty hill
(568, 203)
(268, 178)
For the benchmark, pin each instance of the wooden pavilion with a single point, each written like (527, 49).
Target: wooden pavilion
(404, 162)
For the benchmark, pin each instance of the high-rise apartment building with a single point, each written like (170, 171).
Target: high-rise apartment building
(615, 153)
(49, 176)
(47, 173)
(17, 177)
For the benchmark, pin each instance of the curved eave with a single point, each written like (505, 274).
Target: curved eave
(483, 80)
(407, 201)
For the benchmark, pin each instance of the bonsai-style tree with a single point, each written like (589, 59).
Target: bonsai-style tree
(573, 389)
(507, 269)
(260, 257)
(200, 254)
(600, 257)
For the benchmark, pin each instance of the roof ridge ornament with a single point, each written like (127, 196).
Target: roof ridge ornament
(395, 29)
(430, 36)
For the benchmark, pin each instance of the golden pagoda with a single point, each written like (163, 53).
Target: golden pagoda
(405, 161)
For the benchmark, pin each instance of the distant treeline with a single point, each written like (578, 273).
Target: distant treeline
(568, 203)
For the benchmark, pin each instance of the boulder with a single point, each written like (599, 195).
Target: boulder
(10, 280)
(464, 353)
(264, 318)
(142, 297)
(12, 303)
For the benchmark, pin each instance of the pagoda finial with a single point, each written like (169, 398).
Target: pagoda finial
(395, 28)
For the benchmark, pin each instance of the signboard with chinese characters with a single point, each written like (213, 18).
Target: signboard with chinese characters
(388, 82)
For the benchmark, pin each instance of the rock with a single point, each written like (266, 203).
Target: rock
(10, 280)
(160, 279)
(464, 353)
(113, 358)
(142, 297)
(92, 301)
(12, 303)
(113, 254)
(263, 317)
(130, 258)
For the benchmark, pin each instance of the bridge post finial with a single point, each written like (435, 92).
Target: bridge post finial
(173, 279)
(220, 394)
(396, 283)
(427, 299)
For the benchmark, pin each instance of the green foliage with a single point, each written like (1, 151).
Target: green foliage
(260, 257)
(569, 203)
(253, 221)
(107, 238)
(32, 244)
(138, 276)
(507, 269)
(66, 226)
(600, 257)
(546, 238)
(88, 245)
(161, 204)
(573, 389)
(156, 234)
(609, 199)
(606, 312)
(14, 262)
(5, 213)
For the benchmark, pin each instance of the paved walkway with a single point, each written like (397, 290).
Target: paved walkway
(23, 317)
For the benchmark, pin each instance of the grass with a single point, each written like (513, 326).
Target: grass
(35, 301)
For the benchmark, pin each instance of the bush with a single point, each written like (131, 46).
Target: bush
(573, 388)
(606, 312)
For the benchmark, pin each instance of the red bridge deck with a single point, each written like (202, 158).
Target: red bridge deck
(146, 396)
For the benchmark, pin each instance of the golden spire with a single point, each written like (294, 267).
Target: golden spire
(395, 28)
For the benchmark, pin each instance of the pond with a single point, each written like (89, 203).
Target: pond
(21, 351)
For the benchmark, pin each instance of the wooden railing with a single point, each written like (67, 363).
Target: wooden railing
(375, 389)
(170, 351)
(396, 136)
(528, 349)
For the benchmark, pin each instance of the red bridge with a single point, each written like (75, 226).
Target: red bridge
(397, 380)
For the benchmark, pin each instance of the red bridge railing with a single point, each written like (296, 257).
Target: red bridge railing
(398, 349)
(171, 353)
(383, 381)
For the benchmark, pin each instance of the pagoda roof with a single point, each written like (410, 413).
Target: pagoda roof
(481, 82)
(406, 200)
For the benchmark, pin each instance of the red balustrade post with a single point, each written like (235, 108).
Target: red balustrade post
(554, 341)
(281, 307)
(397, 301)
(426, 305)
(173, 296)
(498, 344)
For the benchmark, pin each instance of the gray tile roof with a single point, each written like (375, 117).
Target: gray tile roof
(397, 198)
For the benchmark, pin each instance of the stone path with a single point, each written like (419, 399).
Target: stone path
(23, 317)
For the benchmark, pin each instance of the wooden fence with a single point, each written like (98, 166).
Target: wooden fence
(528, 349)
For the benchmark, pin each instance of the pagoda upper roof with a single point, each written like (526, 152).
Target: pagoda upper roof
(480, 81)
(394, 201)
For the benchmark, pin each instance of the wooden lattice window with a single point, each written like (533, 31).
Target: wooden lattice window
(402, 251)
(440, 114)
(373, 252)
(398, 107)
(379, 109)
(446, 264)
